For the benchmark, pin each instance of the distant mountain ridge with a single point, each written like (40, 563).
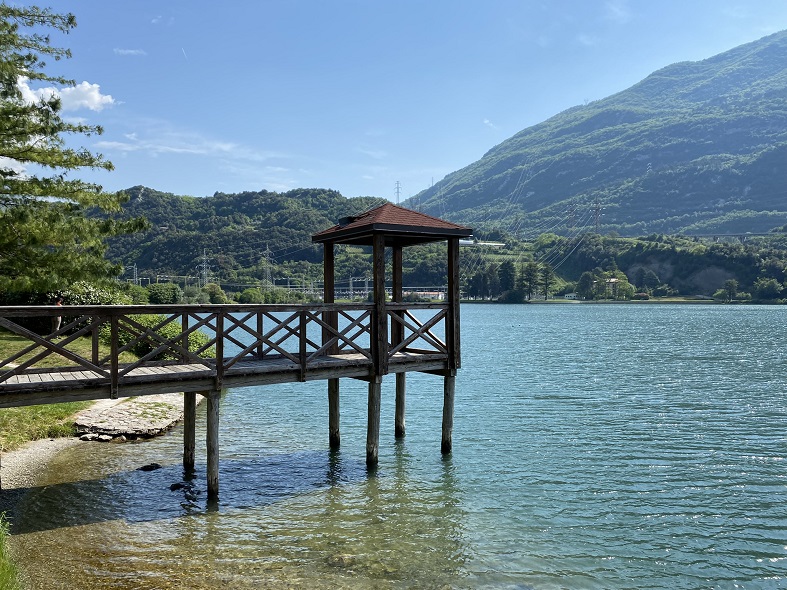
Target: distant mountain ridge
(696, 148)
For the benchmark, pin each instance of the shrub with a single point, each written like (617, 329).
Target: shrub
(216, 294)
(168, 331)
(251, 295)
(164, 293)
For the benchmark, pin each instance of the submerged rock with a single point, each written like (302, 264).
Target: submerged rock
(149, 467)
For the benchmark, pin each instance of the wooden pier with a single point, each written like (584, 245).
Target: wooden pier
(242, 345)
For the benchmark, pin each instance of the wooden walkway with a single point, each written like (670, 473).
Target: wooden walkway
(267, 344)
(207, 348)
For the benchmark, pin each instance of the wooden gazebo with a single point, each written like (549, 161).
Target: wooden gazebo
(391, 226)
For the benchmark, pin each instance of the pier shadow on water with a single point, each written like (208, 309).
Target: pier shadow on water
(152, 493)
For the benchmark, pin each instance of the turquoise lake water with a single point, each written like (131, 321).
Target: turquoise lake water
(595, 446)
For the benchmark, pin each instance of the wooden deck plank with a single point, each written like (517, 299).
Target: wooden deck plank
(63, 384)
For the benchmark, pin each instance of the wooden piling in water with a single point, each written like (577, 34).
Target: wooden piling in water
(401, 390)
(213, 444)
(334, 436)
(373, 423)
(189, 429)
(449, 385)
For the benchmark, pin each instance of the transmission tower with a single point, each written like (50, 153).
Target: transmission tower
(398, 189)
(267, 257)
(203, 270)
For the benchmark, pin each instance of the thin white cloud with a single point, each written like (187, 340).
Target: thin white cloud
(156, 139)
(587, 40)
(489, 124)
(617, 11)
(374, 154)
(73, 98)
(158, 20)
(119, 51)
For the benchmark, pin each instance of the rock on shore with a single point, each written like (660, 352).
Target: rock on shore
(130, 418)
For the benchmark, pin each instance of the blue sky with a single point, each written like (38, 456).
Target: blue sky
(198, 97)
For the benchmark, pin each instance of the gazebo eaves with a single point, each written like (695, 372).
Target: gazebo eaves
(400, 226)
(394, 234)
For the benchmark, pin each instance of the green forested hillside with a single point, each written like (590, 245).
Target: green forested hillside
(259, 238)
(697, 148)
(241, 233)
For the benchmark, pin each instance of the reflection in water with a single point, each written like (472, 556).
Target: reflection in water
(315, 519)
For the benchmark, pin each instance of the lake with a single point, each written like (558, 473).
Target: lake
(594, 446)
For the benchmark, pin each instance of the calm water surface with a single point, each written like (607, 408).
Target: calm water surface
(595, 446)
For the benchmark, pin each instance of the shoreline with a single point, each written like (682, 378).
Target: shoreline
(105, 420)
(21, 468)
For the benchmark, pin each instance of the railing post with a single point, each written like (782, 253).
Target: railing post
(380, 327)
(96, 320)
(302, 343)
(219, 350)
(184, 326)
(397, 336)
(260, 326)
(452, 321)
(113, 352)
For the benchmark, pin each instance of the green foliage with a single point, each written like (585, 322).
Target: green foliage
(169, 330)
(48, 241)
(82, 293)
(251, 295)
(215, 293)
(164, 293)
(586, 286)
(507, 275)
(547, 276)
(529, 279)
(261, 233)
(731, 289)
(767, 288)
(9, 575)
(139, 295)
(20, 425)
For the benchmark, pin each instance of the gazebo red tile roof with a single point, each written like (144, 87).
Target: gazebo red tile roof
(401, 227)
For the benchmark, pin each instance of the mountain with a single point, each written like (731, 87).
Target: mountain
(695, 148)
(239, 231)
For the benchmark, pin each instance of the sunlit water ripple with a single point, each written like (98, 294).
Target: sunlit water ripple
(595, 446)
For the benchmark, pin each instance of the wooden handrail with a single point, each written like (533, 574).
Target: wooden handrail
(298, 334)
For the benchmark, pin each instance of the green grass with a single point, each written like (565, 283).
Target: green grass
(9, 574)
(20, 425)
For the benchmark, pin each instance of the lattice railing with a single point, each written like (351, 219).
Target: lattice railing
(422, 333)
(116, 342)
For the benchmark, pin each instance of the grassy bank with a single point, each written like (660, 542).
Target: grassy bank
(9, 575)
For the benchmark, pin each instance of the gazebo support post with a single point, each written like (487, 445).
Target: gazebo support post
(397, 335)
